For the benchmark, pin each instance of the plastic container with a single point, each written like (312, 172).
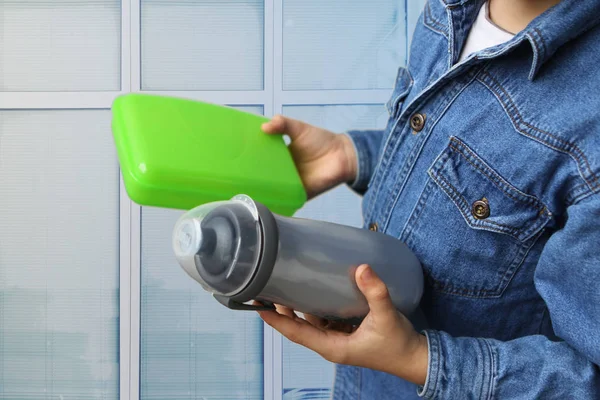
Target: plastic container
(239, 251)
(178, 153)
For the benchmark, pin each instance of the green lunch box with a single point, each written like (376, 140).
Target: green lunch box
(178, 153)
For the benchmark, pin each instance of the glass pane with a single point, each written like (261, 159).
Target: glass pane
(305, 374)
(251, 109)
(202, 44)
(51, 45)
(342, 44)
(191, 346)
(59, 255)
(414, 10)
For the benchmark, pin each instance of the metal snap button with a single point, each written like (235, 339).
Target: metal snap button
(417, 122)
(373, 227)
(481, 209)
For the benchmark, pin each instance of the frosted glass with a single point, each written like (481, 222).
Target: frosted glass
(191, 347)
(60, 45)
(414, 10)
(59, 256)
(342, 44)
(251, 109)
(305, 374)
(202, 44)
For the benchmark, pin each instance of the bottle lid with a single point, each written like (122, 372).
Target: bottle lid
(178, 153)
(219, 244)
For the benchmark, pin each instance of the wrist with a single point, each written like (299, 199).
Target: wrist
(350, 165)
(413, 364)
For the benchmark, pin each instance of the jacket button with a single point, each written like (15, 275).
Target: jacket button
(373, 227)
(481, 209)
(417, 122)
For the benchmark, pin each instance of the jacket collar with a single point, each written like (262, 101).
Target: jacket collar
(547, 33)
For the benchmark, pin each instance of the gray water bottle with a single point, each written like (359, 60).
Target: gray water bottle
(240, 251)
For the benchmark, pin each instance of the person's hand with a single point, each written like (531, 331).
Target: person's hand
(384, 341)
(324, 159)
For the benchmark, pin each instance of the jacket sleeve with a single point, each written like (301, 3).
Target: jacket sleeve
(367, 144)
(534, 367)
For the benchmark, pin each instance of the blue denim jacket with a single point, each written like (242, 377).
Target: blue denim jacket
(489, 170)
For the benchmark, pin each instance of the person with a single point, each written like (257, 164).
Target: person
(489, 170)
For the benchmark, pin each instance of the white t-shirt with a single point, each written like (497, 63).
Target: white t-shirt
(484, 34)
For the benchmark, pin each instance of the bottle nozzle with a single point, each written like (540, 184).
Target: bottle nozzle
(188, 238)
(218, 244)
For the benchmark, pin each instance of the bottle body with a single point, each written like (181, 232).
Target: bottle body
(315, 269)
(240, 251)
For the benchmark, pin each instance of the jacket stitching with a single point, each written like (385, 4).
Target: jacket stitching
(514, 266)
(432, 23)
(539, 52)
(505, 276)
(574, 197)
(419, 211)
(498, 291)
(400, 180)
(483, 354)
(490, 394)
(455, 195)
(575, 193)
(519, 119)
(362, 164)
(448, 288)
(530, 200)
(536, 43)
(416, 213)
(578, 187)
(433, 29)
(438, 365)
(394, 103)
(496, 180)
(451, 44)
(569, 148)
(521, 236)
(542, 40)
(581, 197)
(432, 19)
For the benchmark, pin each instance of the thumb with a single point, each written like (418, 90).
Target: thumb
(375, 291)
(284, 125)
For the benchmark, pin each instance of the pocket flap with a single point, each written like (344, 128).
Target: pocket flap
(485, 199)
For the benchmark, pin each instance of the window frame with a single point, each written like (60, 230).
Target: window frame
(272, 98)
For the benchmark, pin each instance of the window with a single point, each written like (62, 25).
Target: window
(202, 45)
(60, 46)
(59, 256)
(190, 345)
(92, 303)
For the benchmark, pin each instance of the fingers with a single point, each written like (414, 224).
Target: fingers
(376, 292)
(287, 312)
(302, 333)
(284, 125)
(275, 125)
(315, 321)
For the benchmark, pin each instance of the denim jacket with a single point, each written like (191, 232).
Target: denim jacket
(489, 170)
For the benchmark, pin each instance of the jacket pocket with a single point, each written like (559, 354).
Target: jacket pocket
(402, 87)
(471, 228)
